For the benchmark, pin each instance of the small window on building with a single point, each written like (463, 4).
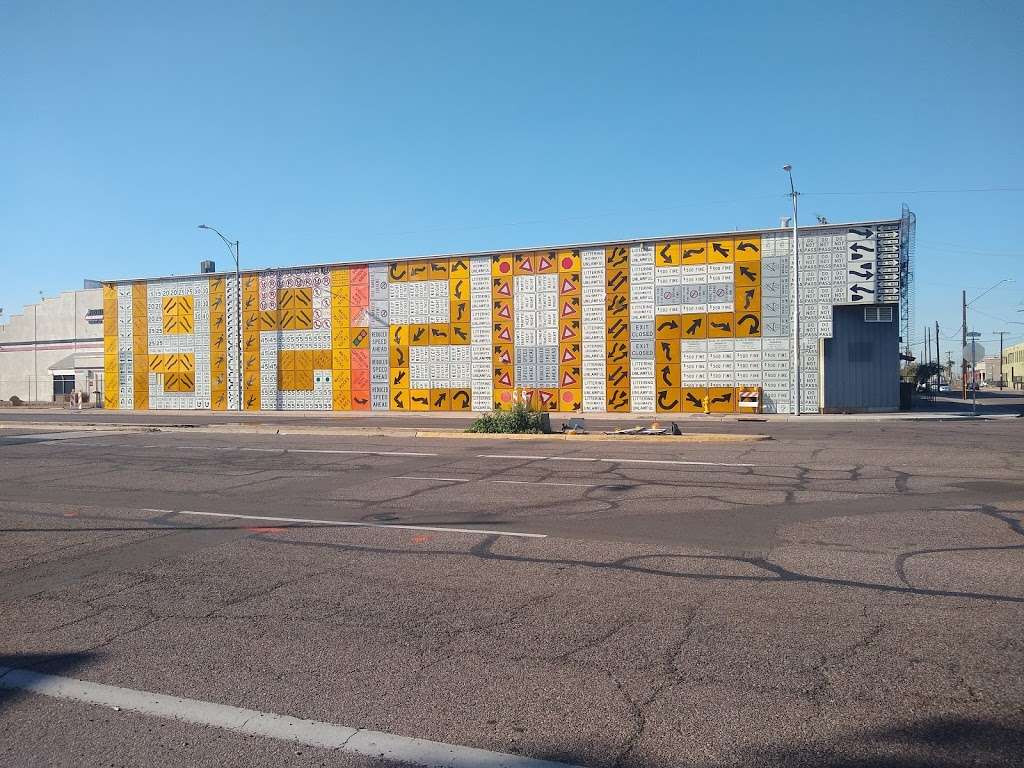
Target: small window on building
(877, 314)
(63, 384)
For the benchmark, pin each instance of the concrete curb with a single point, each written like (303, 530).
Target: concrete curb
(263, 429)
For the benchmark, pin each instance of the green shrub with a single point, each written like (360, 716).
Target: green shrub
(519, 419)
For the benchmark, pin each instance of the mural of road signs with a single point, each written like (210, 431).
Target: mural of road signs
(673, 326)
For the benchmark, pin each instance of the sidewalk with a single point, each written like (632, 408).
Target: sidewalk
(458, 420)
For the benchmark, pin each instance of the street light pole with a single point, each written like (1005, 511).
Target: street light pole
(795, 276)
(233, 250)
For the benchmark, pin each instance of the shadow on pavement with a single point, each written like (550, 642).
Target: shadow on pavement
(47, 663)
(936, 742)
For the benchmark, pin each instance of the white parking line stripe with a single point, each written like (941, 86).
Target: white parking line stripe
(509, 456)
(676, 462)
(356, 453)
(534, 482)
(289, 450)
(352, 524)
(359, 741)
(444, 479)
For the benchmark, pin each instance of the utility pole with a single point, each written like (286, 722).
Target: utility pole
(795, 276)
(1001, 334)
(963, 337)
(938, 358)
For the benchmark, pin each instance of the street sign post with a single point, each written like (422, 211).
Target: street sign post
(973, 352)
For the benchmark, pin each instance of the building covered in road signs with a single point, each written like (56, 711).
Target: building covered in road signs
(667, 325)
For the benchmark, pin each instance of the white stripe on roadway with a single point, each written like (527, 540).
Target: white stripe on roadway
(350, 524)
(358, 741)
(613, 461)
(469, 480)
(286, 450)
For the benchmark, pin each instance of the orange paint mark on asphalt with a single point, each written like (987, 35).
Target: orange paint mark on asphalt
(70, 514)
(260, 529)
(421, 538)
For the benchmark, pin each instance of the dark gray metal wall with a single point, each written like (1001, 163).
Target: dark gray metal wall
(862, 363)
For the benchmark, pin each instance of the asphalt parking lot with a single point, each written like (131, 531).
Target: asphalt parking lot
(843, 594)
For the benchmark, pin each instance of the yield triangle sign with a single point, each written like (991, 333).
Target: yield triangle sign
(544, 396)
(527, 265)
(568, 333)
(568, 309)
(503, 312)
(503, 289)
(505, 357)
(504, 335)
(567, 285)
(567, 379)
(504, 379)
(544, 263)
(568, 355)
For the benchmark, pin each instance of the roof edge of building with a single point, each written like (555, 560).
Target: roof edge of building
(494, 251)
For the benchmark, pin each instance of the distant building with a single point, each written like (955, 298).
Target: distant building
(1013, 366)
(53, 347)
(987, 371)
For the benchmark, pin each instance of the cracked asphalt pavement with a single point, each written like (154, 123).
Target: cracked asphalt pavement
(844, 594)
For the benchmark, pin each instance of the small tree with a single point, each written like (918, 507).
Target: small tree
(925, 371)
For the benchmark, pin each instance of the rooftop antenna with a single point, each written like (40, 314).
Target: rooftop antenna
(821, 219)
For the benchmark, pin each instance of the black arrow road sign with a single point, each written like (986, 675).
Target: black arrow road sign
(401, 359)
(865, 275)
(855, 289)
(617, 281)
(689, 253)
(724, 398)
(722, 326)
(458, 290)
(422, 400)
(719, 248)
(668, 324)
(618, 257)
(755, 324)
(666, 406)
(746, 245)
(619, 398)
(418, 270)
(857, 247)
(748, 296)
(747, 273)
(865, 233)
(460, 333)
(419, 334)
(664, 375)
(461, 310)
(438, 334)
(666, 348)
(617, 377)
(398, 378)
(440, 399)
(465, 398)
(460, 264)
(694, 326)
(398, 400)
(664, 254)
(618, 352)
(692, 398)
(396, 271)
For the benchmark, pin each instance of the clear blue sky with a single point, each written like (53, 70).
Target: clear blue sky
(345, 131)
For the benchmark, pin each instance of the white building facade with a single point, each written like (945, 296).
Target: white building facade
(53, 347)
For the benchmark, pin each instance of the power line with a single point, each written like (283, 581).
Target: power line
(962, 190)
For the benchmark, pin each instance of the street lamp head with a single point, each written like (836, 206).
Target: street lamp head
(202, 226)
(787, 167)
